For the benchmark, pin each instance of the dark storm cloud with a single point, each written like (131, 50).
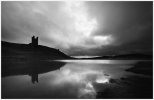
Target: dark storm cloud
(125, 20)
(130, 23)
(81, 28)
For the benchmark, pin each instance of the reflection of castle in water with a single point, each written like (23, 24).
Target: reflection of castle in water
(32, 68)
(34, 78)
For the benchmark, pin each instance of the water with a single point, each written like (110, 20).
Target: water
(65, 78)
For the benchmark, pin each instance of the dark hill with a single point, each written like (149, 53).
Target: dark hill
(26, 52)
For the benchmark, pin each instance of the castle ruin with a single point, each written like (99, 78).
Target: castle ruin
(34, 41)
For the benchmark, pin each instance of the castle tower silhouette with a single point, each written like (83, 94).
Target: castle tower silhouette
(34, 41)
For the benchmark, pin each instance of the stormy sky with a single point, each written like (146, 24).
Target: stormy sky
(81, 27)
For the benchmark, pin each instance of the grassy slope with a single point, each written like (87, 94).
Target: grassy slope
(19, 52)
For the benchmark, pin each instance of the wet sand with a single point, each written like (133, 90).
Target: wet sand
(132, 87)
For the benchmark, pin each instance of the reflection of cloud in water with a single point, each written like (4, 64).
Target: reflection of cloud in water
(87, 92)
(102, 79)
(74, 80)
(82, 77)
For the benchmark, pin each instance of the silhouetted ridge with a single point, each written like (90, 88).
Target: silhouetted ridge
(29, 52)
